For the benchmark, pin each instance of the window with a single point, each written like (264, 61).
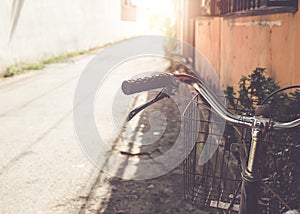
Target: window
(128, 12)
(248, 7)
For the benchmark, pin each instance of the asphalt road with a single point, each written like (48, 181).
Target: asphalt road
(42, 166)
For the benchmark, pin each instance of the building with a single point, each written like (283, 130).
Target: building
(32, 31)
(239, 35)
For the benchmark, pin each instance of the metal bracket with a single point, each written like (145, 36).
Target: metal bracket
(164, 93)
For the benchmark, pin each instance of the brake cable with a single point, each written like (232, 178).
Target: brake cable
(277, 91)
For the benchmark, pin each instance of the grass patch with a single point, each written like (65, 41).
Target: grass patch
(14, 70)
(64, 57)
(34, 66)
(11, 71)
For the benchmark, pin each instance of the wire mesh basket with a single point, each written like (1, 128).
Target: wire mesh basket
(213, 180)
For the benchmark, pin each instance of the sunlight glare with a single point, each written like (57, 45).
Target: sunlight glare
(158, 14)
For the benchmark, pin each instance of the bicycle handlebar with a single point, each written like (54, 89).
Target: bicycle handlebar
(148, 83)
(165, 80)
(287, 125)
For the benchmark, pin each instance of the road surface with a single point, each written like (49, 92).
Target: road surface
(42, 166)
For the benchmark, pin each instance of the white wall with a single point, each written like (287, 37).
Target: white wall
(47, 28)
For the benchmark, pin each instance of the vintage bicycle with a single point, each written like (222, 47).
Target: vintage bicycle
(230, 180)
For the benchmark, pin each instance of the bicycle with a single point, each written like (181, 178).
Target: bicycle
(209, 184)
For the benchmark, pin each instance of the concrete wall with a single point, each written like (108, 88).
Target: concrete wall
(235, 46)
(45, 28)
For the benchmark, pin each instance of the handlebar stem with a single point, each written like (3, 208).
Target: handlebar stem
(250, 177)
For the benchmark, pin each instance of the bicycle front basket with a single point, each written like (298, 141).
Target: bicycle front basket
(212, 170)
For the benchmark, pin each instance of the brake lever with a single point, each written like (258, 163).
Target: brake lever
(161, 95)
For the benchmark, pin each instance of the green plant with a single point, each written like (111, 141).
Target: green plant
(11, 71)
(254, 88)
(34, 66)
(280, 166)
(14, 70)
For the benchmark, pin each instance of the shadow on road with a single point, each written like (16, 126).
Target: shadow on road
(162, 194)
